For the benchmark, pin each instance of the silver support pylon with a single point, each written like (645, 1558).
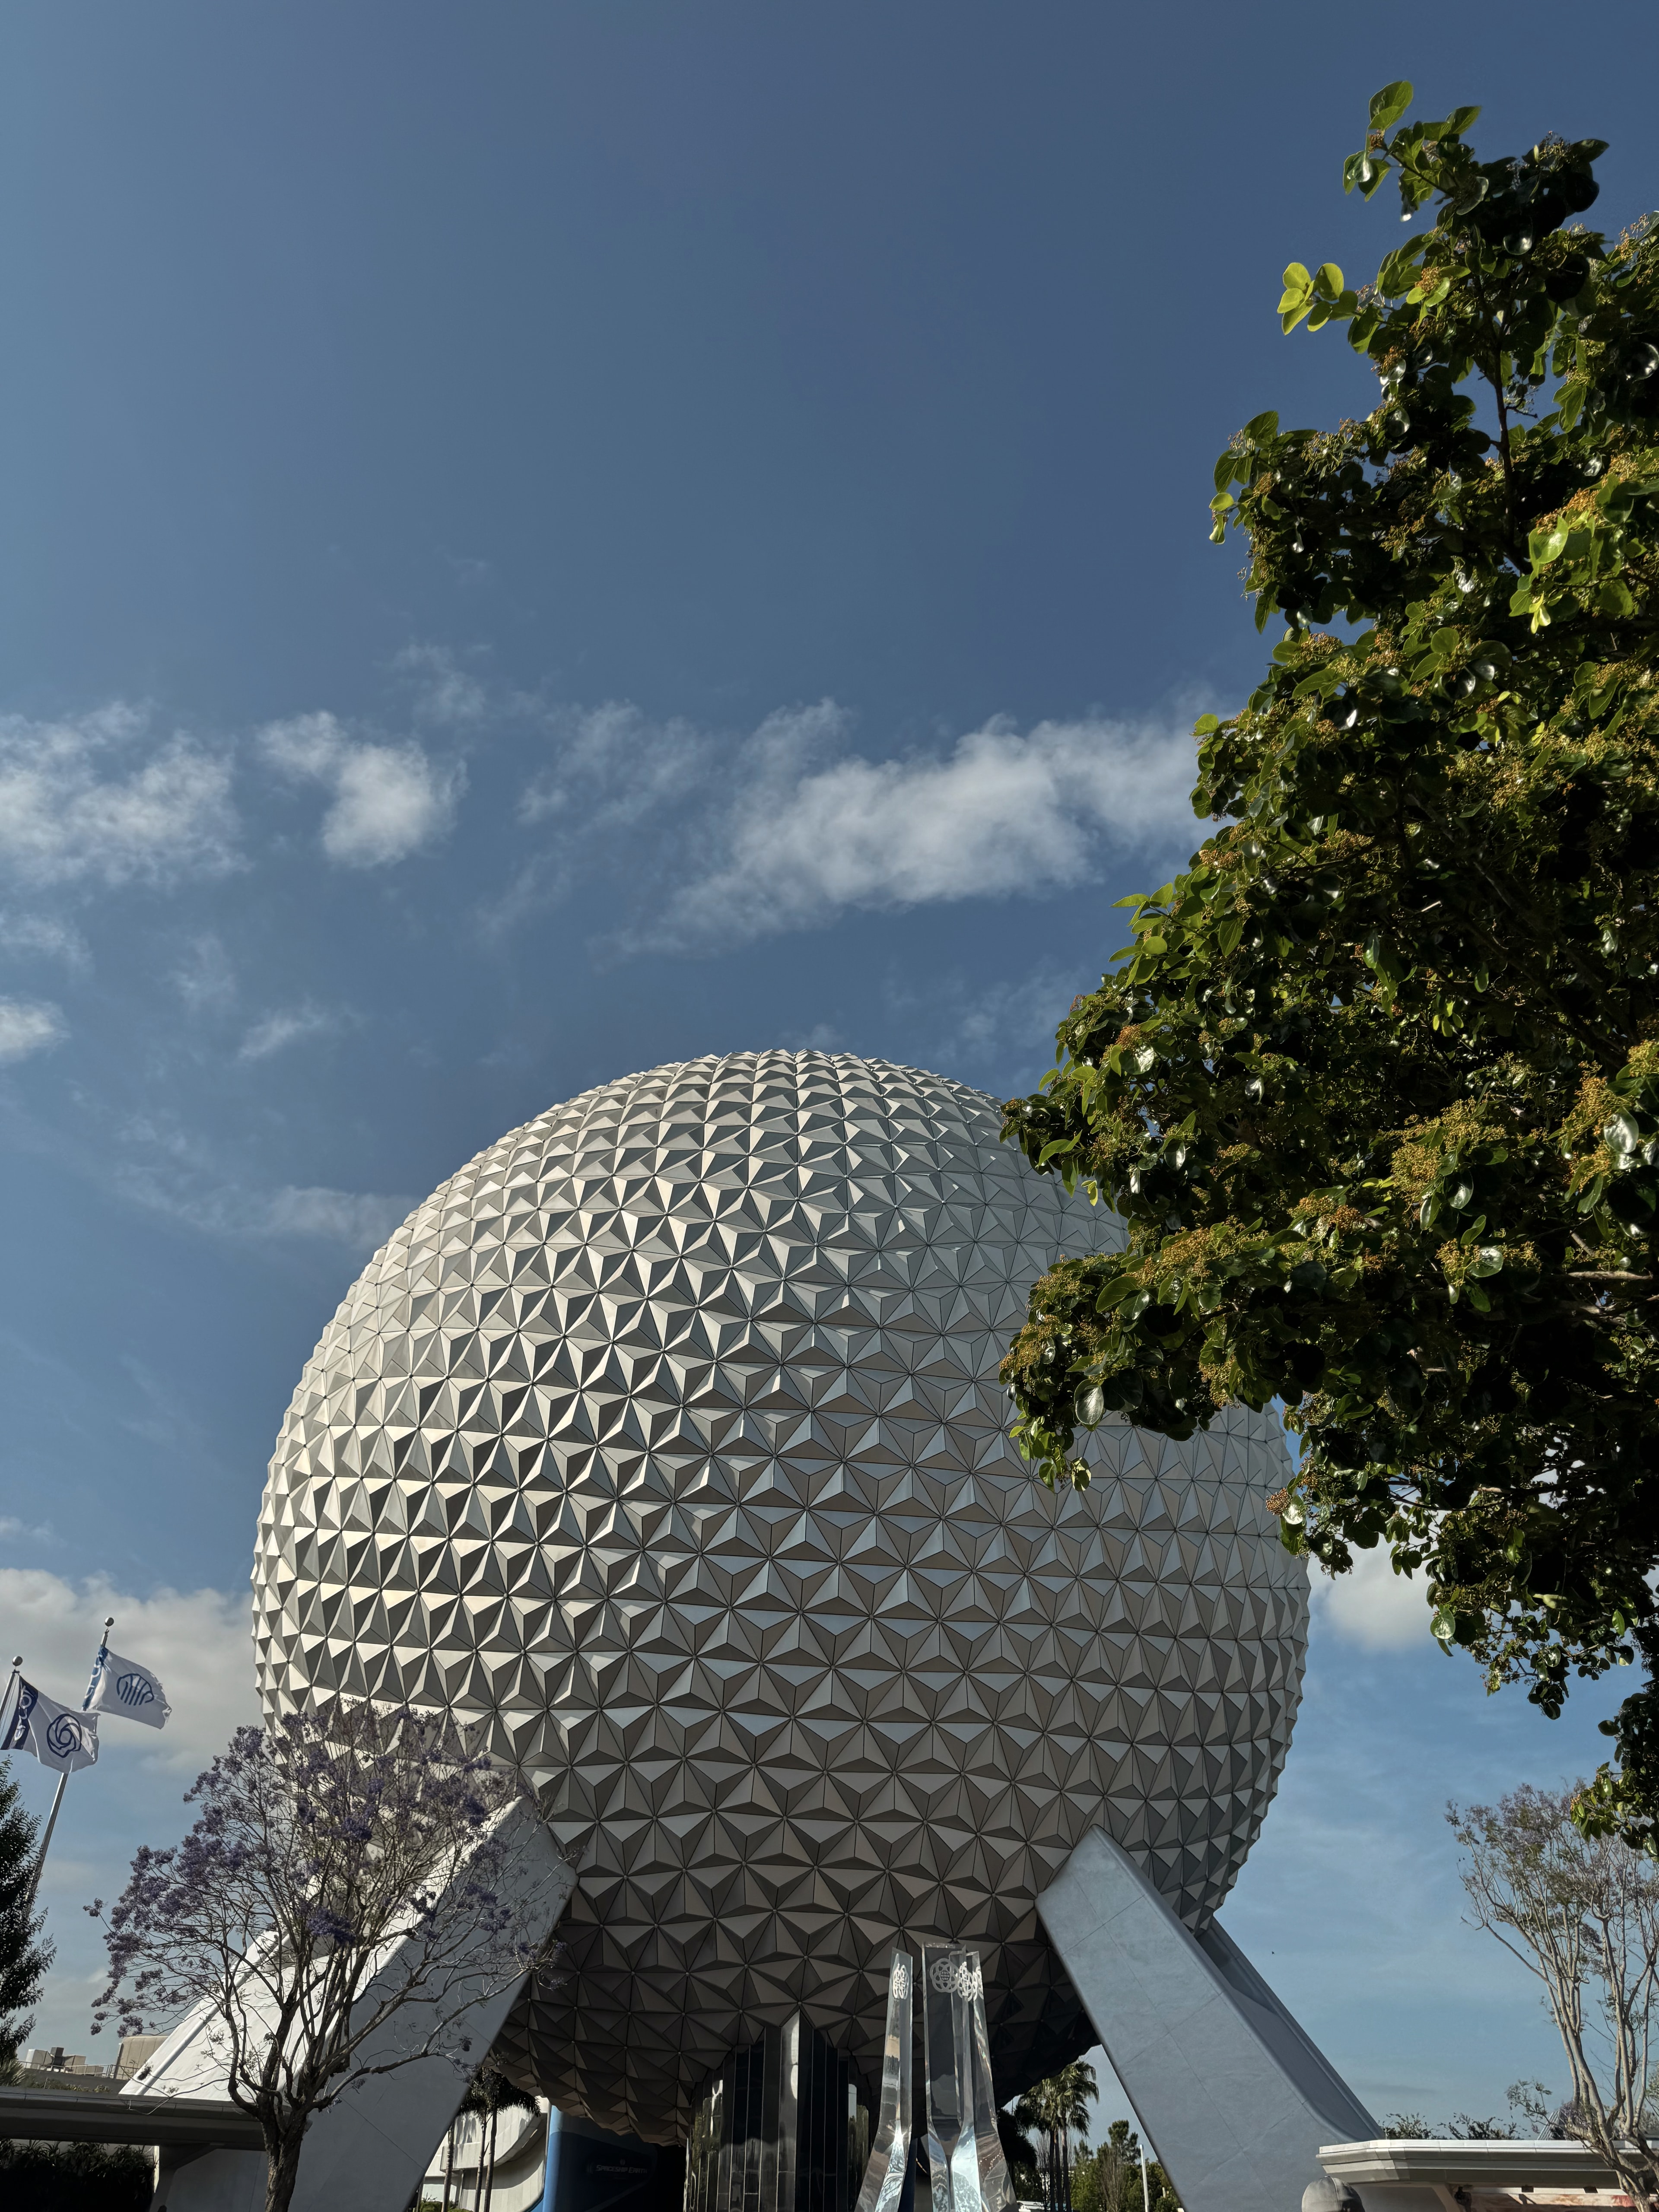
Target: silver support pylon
(1235, 2097)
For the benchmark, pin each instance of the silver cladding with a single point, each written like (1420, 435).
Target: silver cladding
(664, 1443)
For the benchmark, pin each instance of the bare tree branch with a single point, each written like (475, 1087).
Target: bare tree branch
(1583, 1914)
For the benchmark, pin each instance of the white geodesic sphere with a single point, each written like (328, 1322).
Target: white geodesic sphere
(665, 1441)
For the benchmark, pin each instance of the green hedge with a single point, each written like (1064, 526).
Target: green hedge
(70, 2176)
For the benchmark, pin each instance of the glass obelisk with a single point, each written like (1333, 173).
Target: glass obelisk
(964, 2151)
(889, 2155)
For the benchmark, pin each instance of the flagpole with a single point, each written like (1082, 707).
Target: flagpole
(46, 1842)
(57, 1794)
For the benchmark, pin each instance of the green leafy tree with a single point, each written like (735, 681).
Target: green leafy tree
(1110, 2180)
(1375, 1086)
(1160, 2196)
(24, 1958)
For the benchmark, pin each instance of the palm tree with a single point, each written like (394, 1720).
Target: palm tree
(1058, 2107)
(490, 2094)
(1019, 2154)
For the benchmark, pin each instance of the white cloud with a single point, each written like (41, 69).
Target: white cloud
(28, 1025)
(75, 807)
(391, 803)
(1000, 813)
(288, 1027)
(198, 1641)
(1372, 1606)
(389, 799)
(783, 830)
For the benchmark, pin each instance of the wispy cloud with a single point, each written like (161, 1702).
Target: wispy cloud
(205, 979)
(13, 1530)
(443, 692)
(45, 937)
(199, 1642)
(92, 799)
(785, 830)
(288, 1026)
(995, 1031)
(389, 801)
(616, 767)
(27, 1026)
(362, 1219)
(620, 785)
(158, 1161)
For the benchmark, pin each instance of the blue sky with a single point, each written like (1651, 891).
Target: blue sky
(543, 539)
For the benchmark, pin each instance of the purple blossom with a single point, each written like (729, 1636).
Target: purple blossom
(319, 1840)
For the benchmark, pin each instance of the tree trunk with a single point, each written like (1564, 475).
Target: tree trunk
(449, 2163)
(489, 2194)
(283, 2170)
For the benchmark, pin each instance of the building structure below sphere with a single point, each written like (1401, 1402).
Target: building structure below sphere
(783, 2127)
(1236, 2100)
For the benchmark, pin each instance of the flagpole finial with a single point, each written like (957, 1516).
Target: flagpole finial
(109, 1620)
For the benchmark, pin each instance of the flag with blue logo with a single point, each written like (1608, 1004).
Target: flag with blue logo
(122, 1686)
(57, 1736)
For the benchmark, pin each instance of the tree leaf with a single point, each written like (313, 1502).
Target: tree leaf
(1296, 298)
(1390, 104)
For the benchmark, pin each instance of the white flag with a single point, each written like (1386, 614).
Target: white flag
(58, 1736)
(122, 1686)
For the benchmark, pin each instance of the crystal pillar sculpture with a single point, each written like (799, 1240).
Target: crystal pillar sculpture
(890, 2159)
(964, 2151)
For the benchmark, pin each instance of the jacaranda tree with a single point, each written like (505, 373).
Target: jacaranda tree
(1376, 1085)
(338, 1909)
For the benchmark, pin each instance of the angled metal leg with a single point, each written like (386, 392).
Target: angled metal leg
(1231, 2091)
